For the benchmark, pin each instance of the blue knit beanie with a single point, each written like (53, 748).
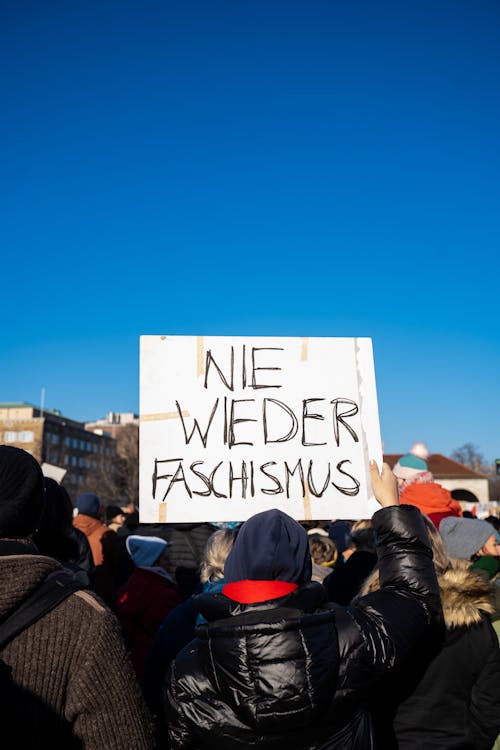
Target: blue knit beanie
(145, 550)
(88, 504)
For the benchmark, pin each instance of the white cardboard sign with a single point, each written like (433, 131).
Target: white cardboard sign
(231, 426)
(53, 472)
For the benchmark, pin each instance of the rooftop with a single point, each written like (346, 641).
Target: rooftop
(440, 466)
(16, 405)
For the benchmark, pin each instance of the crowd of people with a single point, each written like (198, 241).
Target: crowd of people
(379, 633)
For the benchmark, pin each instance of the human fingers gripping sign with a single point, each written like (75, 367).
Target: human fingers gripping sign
(384, 484)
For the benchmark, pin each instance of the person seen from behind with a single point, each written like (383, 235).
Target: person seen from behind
(64, 674)
(178, 627)
(57, 537)
(146, 598)
(323, 553)
(104, 545)
(276, 666)
(115, 521)
(417, 486)
(454, 672)
(476, 542)
(359, 560)
(115, 517)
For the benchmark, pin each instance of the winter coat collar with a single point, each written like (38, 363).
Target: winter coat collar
(157, 570)
(17, 547)
(20, 574)
(87, 524)
(465, 595)
(307, 598)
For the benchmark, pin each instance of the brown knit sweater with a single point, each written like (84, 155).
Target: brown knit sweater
(73, 682)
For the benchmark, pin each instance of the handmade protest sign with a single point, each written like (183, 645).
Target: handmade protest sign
(231, 426)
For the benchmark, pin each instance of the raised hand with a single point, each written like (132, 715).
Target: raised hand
(384, 484)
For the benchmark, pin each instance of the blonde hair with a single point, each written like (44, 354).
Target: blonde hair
(217, 548)
(322, 549)
(439, 556)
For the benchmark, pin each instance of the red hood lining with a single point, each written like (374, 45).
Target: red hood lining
(251, 592)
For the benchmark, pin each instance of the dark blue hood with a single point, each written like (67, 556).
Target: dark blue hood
(270, 546)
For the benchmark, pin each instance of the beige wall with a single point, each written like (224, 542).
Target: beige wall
(17, 426)
(18, 412)
(479, 487)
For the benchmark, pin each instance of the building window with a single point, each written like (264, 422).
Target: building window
(26, 436)
(67, 441)
(10, 437)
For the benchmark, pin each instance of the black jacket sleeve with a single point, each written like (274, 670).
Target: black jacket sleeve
(377, 633)
(485, 697)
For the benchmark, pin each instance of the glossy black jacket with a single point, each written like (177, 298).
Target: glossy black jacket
(294, 673)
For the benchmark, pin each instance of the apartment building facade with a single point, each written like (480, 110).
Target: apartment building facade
(54, 439)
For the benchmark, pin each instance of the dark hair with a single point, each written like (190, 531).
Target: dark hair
(112, 511)
(494, 521)
(363, 536)
(53, 535)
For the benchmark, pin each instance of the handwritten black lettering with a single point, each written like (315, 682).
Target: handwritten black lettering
(294, 426)
(256, 385)
(279, 487)
(351, 491)
(232, 421)
(310, 482)
(204, 479)
(156, 477)
(212, 477)
(243, 479)
(339, 418)
(243, 367)
(229, 383)
(290, 472)
(305, 416)
(196, 426)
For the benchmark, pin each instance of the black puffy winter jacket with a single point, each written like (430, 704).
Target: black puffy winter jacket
(293, 673)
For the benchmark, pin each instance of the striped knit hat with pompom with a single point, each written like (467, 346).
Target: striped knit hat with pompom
(412, 463)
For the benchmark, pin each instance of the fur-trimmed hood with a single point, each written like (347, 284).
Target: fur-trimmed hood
(465, 595)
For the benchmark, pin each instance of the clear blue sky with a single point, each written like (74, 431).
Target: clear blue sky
(266, 167)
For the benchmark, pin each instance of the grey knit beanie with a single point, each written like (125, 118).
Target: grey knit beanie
(464, 536)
